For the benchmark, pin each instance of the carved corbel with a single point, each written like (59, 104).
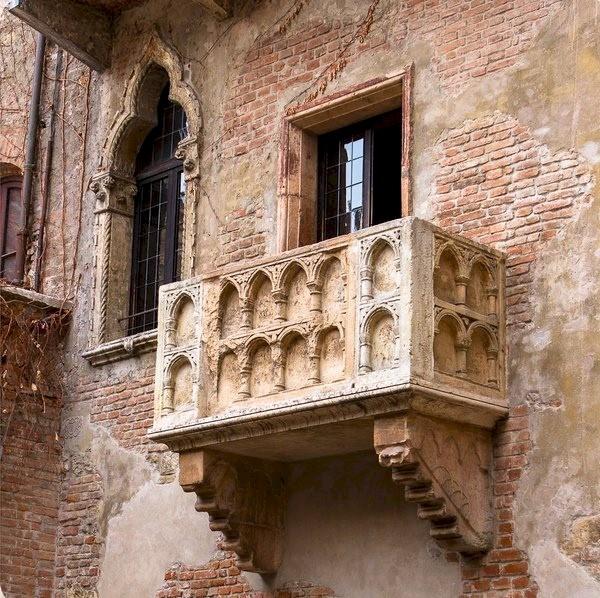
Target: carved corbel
(444, 468)
(187, 151)
(245, 501)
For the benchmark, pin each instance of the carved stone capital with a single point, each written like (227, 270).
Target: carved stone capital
(187, 151)
(244, 499)
(114, 193)
(444, 468)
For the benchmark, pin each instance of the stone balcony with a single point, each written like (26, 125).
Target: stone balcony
(390, 339)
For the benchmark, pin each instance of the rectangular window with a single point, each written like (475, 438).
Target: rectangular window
(10, 214)
(360, 170)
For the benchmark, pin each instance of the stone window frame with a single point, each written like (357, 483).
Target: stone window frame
(298, 157)
(115, 189)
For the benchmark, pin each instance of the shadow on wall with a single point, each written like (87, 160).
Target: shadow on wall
(345, 507)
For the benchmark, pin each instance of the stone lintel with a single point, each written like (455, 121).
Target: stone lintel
(83, 31)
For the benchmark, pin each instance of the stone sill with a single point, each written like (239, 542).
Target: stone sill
(14, 294)
(122, 348)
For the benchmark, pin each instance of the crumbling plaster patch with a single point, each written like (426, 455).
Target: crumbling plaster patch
(156, 528)
(146, 526)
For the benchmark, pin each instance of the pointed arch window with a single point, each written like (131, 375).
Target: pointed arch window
(158, 215)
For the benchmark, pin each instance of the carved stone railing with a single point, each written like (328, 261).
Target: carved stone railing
(391, 338)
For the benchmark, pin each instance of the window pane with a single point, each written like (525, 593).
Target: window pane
(331, 204)
(342, 187)
(356, 196)
(357, 220)
(149, 257)
(331, 227)
(344, 224)
(179, 232)
(358, 147)
(357, 171)
(346, 153)
(331, 179)
(332, 154)
(8, 265)
(13, 212)
(162, 141)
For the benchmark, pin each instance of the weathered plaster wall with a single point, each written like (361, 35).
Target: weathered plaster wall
(528, 70)
(336, 517)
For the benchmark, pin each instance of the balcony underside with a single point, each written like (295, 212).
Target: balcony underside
(335, 424)
(85, 28)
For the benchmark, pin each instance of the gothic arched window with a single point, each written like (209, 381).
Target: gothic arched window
(158, 215)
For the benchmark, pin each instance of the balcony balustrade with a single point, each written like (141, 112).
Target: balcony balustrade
(390, 339)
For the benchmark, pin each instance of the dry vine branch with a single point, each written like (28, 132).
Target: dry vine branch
(30, 362)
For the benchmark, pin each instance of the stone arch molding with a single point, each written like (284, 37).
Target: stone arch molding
(114, 186)
(135, 117)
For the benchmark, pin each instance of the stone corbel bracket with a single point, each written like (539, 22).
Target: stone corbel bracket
(245, 501)
(444, 468)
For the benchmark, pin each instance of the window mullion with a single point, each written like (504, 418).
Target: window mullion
(368, 178)
(171, 227)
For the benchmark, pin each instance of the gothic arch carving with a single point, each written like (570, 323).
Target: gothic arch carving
(378, 345)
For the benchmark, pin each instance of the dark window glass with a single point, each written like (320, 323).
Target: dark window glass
(360, 175)
(10, 214)
(158, 218)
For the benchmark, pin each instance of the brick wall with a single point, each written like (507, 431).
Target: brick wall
(504, 571)
(221, 577)
(242, 236)
(496, 183)
(499, 185)
(29, 495)
(482, 37)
